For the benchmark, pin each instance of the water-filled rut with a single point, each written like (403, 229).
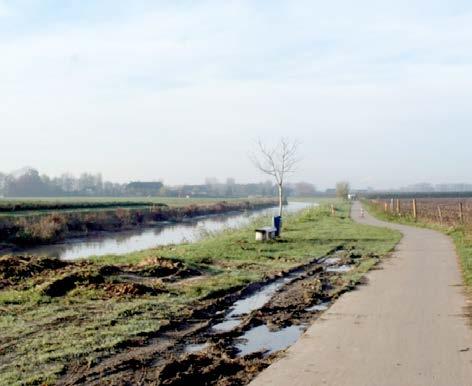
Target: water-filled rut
(230, 339)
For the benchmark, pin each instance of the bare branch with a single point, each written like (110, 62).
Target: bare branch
(277, 162)
(266, 162)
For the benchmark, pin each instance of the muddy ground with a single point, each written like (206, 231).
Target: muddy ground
(216, 345)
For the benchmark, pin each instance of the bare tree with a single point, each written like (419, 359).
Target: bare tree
(277, 162)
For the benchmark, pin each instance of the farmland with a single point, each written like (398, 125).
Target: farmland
(123, 319)
(443, 211)
(32, 206)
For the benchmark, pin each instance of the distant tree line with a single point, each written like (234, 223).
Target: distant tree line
(213, 188)
(30, 183)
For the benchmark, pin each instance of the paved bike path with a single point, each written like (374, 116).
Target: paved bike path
(407, 327)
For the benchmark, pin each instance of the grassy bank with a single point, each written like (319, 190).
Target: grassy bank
(462, 235)
(54, 314)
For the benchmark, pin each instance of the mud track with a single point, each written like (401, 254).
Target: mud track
(222, 342)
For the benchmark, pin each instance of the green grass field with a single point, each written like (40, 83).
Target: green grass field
(40, 334)
(144, 200)
(45, 205)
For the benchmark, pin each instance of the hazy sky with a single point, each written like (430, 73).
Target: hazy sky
(377, 92)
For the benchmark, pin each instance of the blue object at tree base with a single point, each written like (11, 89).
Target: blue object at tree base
(277, 222)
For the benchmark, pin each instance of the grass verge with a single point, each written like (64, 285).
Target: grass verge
(51, 317)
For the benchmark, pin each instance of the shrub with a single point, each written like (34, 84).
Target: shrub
(42, 229)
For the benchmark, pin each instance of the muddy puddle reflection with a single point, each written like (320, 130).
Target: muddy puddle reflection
(266, 337)
(251, 303)
(193, 348)
(262, 339)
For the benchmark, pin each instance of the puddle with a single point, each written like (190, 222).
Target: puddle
(341, 268)
(193, 348)
(318, 307)
(332, 261)
(262, 339)
(251, 303)
(227, 325)
(257, 300)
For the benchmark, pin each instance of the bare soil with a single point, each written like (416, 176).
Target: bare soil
(57, 277)
(15, 268)
(163, 359)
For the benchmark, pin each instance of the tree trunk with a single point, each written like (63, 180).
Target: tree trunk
(280, 200)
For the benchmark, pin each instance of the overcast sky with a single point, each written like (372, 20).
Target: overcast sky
(378, 93)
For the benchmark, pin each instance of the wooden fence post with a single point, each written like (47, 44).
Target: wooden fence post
(333, 211)
(415, 213)
(385, 207)
(398, 206)
(440, 215)
(461, 213)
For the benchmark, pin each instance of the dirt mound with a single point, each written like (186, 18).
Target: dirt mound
(5, 283)
(97, 279)
(66, 283)
(107, 270)
(158, 267)
(212, 369)
(161, 262)
(16, 268)
(123, 289)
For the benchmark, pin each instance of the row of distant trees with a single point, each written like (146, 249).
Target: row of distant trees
(30, 183)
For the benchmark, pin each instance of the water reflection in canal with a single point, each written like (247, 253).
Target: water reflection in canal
(162, 234)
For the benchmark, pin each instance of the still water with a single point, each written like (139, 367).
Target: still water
(162, 234)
